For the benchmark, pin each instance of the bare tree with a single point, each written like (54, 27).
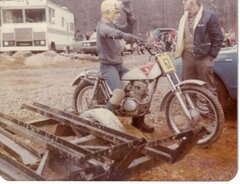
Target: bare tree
(150, 14)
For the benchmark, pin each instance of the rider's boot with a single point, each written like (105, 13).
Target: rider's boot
(115, 101)
(139, 123)
(111, 107)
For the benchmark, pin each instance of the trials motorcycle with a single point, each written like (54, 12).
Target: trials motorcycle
(188, 104)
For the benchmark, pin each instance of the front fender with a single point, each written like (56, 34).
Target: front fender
(86, 75)
(104, 117)
(191, 82)
(186, 82)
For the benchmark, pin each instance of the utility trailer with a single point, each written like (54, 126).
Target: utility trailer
(64, 146)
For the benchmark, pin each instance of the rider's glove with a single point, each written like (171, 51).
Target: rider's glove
(130, 38)
(127, 7)
(129, 12)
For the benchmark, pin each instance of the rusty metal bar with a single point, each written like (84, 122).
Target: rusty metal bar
(119, 168)
(187, 144)
(115, 152)
(95, 129)
(84, 139)
(43, 163)
(64, 147)
(41, 135)
(124, 154)
(13, 170)
(158, 154)
(16, 150)
(84, 121)
(150, 149)
(21, 143)
(186, 133)
(41, 122)
(74, 154)
(95, 147)
(187, 140)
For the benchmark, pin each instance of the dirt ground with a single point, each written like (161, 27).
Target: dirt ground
(51, 85)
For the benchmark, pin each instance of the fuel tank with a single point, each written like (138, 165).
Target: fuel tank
(145, 72)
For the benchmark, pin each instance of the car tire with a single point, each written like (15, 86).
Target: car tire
(67, 50)
(53, 46)
(223, 95)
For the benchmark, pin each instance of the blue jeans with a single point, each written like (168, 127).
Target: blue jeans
(112, 74)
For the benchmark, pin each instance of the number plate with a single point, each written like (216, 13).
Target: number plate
(166, 62)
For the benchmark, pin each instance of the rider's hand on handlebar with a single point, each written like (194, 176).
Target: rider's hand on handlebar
(130, 38)
(140, 41)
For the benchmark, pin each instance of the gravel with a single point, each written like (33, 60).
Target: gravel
(49, 83)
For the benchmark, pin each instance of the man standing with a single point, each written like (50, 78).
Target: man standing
(199, 40)
(109, 47)
(79, 36)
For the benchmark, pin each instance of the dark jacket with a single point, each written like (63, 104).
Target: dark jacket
(208, 37)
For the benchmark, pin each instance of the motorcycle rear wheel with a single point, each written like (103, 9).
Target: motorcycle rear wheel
(82, 97)
(212, 118)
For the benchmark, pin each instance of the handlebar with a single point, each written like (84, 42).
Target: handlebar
(148, 47)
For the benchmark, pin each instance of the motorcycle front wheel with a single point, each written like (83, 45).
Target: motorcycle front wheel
(203, 106)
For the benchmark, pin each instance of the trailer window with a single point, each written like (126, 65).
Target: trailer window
(71, 27)
(35, 15)
(63, 22)
(51, 13)
(13, 16)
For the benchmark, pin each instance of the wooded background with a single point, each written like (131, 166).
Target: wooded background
(150, 14)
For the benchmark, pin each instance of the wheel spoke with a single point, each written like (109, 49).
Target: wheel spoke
(84, 99)
(209, 114)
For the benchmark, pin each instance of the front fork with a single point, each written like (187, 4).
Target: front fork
(178, 93)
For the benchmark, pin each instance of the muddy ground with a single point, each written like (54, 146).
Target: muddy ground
(50, 84)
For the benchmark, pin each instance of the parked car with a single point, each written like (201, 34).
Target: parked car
(225, 74)
(90, 46)
(77, 44)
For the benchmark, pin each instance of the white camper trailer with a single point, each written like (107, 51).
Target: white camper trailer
(35, 25)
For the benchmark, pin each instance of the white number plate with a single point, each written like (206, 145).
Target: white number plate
(166, 62)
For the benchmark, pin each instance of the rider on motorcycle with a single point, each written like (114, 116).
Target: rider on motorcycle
(109, 35)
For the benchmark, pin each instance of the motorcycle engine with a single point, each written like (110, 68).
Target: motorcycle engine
(136, 93)
(140, 90)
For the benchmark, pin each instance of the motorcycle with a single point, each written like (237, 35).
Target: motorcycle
(187, 105)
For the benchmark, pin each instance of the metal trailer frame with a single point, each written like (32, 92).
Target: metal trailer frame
(95, 153)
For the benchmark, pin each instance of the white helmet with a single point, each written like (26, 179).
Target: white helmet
(110, 5)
